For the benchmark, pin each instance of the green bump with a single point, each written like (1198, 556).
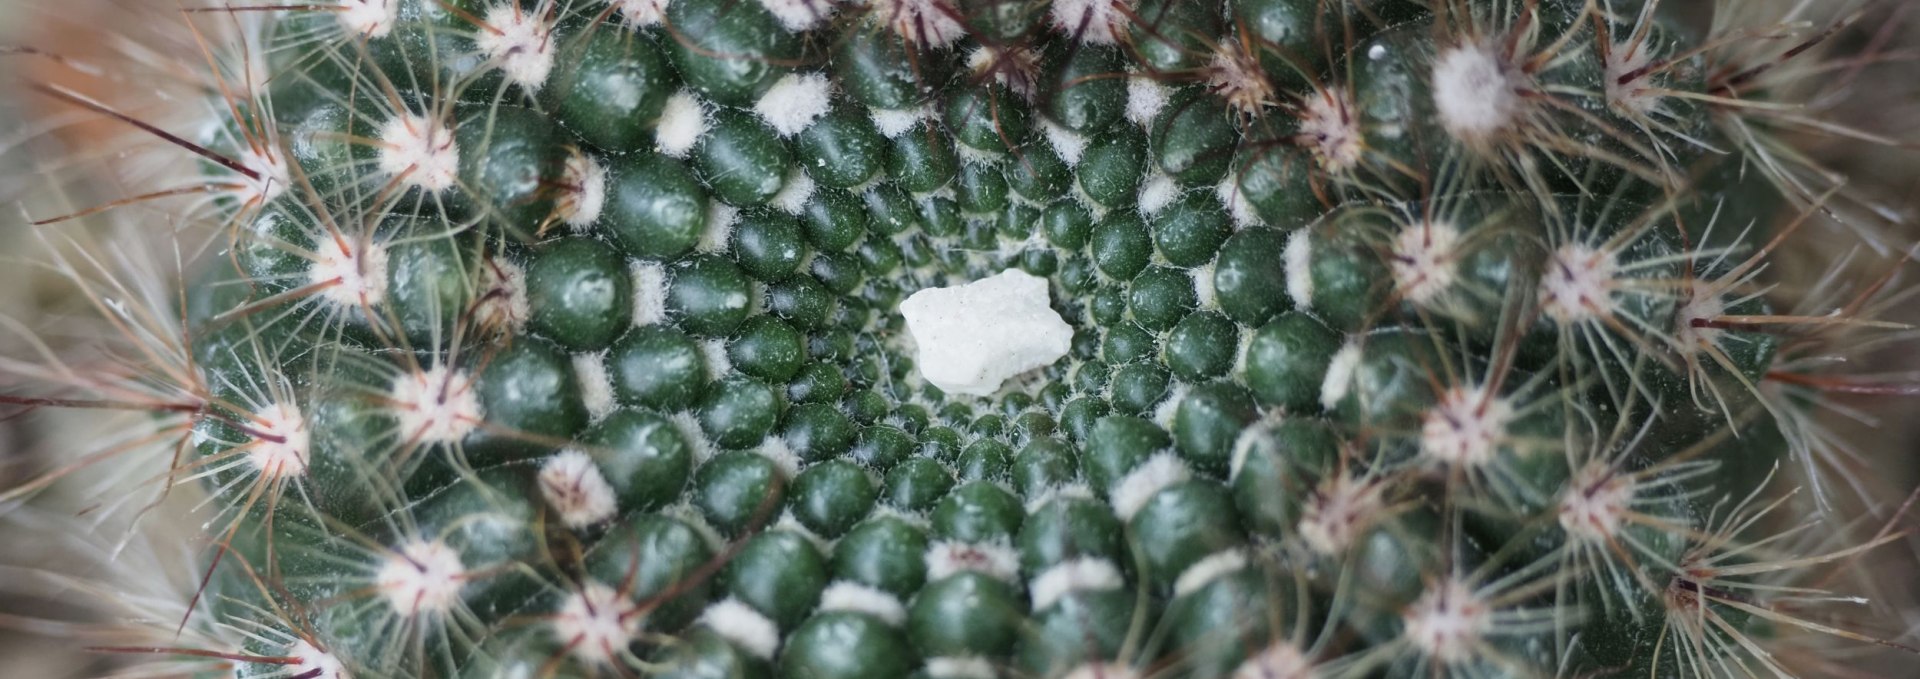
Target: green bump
(578, 293)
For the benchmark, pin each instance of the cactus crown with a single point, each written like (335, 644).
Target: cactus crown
(561, 338)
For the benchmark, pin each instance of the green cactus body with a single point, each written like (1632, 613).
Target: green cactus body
(1400, 344)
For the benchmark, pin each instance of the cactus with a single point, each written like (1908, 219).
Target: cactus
(562, 338)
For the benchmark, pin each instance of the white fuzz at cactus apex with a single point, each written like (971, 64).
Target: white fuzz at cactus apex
(349, 272)
(1476, 92)
(421, 151)
(799, 15)
(1279, 660)
(1065, 143)
(281, 441)
(1208, 569)
(596, 386)
(972, 337)
(519, 41)
(437, 405)
(1237, 77)
(1425, 261)
(572, 485)
(1628, 88)
(421, 577)
(649, 292)
(596, 623)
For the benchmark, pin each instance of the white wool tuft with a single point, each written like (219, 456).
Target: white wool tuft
(1425, 261)
(421, 577)
(435, 406)
(795, 101)
(744, 626)
(689, 428)
(1207, 570)
(1067, 144)
(683, 121)
(718, 235)
(1097, 22)
(597, 623)
(281, 442)
(1281, 660)
(1596, 504)
(1102, 671)
(1156, 193)
(641, 13)
(1466, 427)
(994, 559)
(799, 15)
(892, 123)
(794, 193)
(649, 292)
(596, 387)
(370, 19)
(1075, 575)
(420, 150)
(930, 23)
(1578, 284)
(1145, 98)
(1238, 207)
(520, 42)
(1203, 293)
(1132, 491)
(573, 486)
(586, 195)
(1339, 379)
(310, 661)
(352, 274)
(1475, 92)
(1298, 261)
(776, 449)
(714, 350)
(852, 596)
(1448, 623)
(503, 307)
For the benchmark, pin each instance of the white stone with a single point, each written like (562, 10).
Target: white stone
(973, 337)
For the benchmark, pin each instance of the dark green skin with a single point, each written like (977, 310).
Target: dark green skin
(1189, 231)
(885, 553)
(766, 348)
(1160, 296)
(986, 459)
(1246, 602)
(778, 573)
(708, 295)
(642, 455)
(528, 394)
(1201, 346)
(882, 446)
(1086, 92)
(1248, 280)
(609, 89)
(430, 284)
(818, 431)
(730, 52)
(845, 645)
(1207, 423)
(1121, 246)
(829, 497)
(1070, 528)
(740, 158)
(987, 118)
(738, 491)
(508, 158)
(917, 483)
(1287, 361)
(841, 149)
(922, 159)
(1083, 627)
(1194, 138)
(1137, 387)
(740, 411)
(657, 367)
(578, 293)
(1111, 167)
(655, 208)
(1183, 524)
(651, 554)
(977, 511)
(1119, 443)
(965, 614)
(704, 654)
(881, 70)
(1281, 466)
(834, 219)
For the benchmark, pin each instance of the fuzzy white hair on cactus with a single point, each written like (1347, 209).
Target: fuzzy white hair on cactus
(1425, 261)
(928, 23)
(420, 151)
(371, 19)
(281, 441)
(434, 406)
(1466, 427)
(520, 42)
(421, 577)
(349, 273)
(1578, 283)
(576, 490)
(1476, 93)
(596, 624)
